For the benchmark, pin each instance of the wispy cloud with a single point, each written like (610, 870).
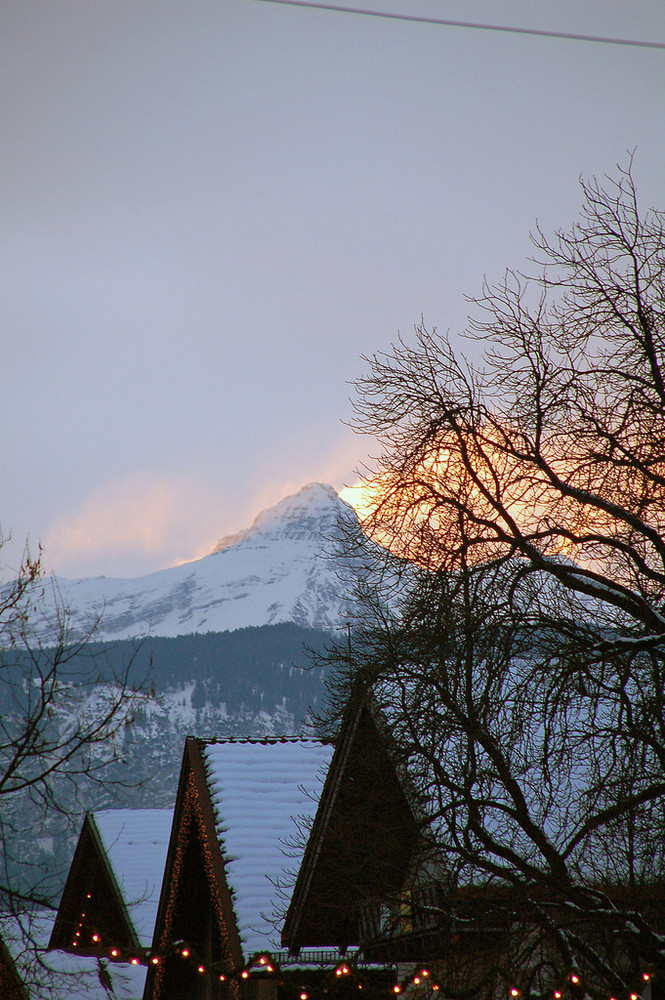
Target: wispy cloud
(132, 526)
(144, 522)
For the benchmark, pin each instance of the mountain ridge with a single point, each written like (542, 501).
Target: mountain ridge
(287, 566)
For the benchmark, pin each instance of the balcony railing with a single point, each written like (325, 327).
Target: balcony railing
(418, 910)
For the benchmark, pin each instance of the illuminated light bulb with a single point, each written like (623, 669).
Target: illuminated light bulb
(262, 960)
(304, 996)
(397, 989)
(82, 916)
(574, 978)
(633, 996)
(338, 971)
(201, 968)
(95, 938)
(185, 952)
(78, 934)
(646, 977)
(557, 995)
(514, 992)
(424, 973)
(244, 974)
(74, 944)
(434, 986)
(270, 968)
(155, 960)
(114, 952)
(416, 980)
(135, 961)
(222, 978)
(89, 896)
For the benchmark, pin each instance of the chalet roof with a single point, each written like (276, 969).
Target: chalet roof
(136, 842)
(363, 837)
(61, 975)
(262, 791)
(114, 882)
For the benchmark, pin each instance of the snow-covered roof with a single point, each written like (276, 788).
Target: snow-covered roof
(261, 791)
(59, 975)
(136, 842)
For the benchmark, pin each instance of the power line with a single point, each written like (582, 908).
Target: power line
(569, 35)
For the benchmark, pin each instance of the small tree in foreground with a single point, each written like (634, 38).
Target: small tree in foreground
(60, 716)
(523, 676)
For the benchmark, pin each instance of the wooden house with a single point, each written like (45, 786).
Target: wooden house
(12, 986)
(109, 903)
(372, 878)
(227, 877)
(365, 840)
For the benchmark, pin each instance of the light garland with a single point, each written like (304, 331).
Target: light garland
(262, 962)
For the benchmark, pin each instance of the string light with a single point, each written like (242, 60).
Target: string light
(263, 962)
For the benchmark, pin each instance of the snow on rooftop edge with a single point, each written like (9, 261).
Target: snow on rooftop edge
(261, 791)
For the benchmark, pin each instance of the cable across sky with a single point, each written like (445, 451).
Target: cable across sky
(540, 32)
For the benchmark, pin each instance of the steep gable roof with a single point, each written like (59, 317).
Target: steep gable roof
(363, 838)
(234, 816)
(112, 891)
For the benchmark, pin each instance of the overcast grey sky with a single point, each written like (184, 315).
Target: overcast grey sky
(210, 210)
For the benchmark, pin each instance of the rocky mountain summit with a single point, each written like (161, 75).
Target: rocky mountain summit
(288, 566)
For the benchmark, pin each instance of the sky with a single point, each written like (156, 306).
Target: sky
(212, 210)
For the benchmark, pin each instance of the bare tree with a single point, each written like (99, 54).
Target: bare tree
(61, 714)
(523, 677)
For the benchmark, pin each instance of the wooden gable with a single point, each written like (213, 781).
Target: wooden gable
(92, 917)
(196, 940)
(11, 984)
(235, 810)
(364, 836)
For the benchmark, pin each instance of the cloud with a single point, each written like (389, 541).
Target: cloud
(144, 521)
(132, 526)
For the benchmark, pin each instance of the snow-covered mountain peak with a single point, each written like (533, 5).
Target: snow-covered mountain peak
(314, 511)
(282, 568)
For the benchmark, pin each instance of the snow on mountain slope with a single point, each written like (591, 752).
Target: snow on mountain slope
(280, 569)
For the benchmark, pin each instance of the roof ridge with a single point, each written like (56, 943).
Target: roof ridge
(261, 740)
